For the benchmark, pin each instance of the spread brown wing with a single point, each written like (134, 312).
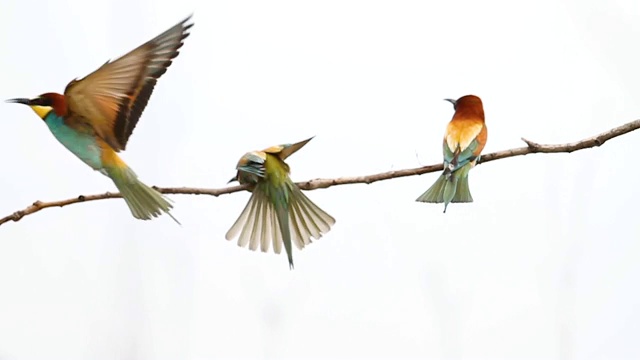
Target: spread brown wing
(113, 97)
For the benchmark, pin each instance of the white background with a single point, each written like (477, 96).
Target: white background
(543, 265)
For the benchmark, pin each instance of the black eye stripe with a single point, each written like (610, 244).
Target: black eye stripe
(42, 102)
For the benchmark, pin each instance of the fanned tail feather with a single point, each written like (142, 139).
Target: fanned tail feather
(144, 202)
(259, 224)
(282, 214)
(435, 194)
(463, 194)
(449, 188)
(307, 219)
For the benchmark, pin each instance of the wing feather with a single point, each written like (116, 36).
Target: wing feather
(114, 96)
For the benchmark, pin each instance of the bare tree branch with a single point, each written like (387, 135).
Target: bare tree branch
(531, 148)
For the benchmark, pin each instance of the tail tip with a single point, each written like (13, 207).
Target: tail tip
(174, 219)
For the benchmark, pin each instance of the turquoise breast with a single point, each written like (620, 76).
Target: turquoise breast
(82, 145)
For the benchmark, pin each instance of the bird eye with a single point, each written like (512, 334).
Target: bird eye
(41, 101)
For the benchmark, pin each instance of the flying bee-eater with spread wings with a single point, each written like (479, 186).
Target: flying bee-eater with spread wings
(96, 115)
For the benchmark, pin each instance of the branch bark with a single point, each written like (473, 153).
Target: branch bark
(531, 148)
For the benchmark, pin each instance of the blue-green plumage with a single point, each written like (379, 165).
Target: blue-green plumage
(143, 201)
(82, 145)
(454, 160)
(453, 183)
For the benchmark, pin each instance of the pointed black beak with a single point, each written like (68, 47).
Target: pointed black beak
(235, 178)
(19, 101)
(451, 101)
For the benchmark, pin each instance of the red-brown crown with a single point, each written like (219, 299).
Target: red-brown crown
(469, 106)
(57, 102)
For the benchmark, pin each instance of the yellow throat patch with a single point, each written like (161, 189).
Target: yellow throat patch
(42, 111)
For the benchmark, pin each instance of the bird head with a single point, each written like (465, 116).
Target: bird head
(44, 104)
(468, 105)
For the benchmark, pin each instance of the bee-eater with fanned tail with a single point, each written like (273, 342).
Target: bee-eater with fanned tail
(464, 139)
(97, 114)
(277, 212)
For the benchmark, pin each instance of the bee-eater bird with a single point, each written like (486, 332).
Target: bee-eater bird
(464, 139)
(277, 212)
(97, 114)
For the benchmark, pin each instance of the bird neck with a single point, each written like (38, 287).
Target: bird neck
(58, 103)
(277, 171)
(469, 114)
(54, 120)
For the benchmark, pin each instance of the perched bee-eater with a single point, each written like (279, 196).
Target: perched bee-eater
(97, 114)
(277, 212)
(464, 140)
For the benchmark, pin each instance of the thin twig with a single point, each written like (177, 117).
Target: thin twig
(531, 148)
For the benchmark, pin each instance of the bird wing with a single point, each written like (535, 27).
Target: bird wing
(284, 151)
(253, 163)
(113, 97)
(461, 143)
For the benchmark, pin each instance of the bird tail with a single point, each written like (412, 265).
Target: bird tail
(463, 194)
(264, 222)
(144, 202)
(450, 187)
(435, 194)
(307, 220)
